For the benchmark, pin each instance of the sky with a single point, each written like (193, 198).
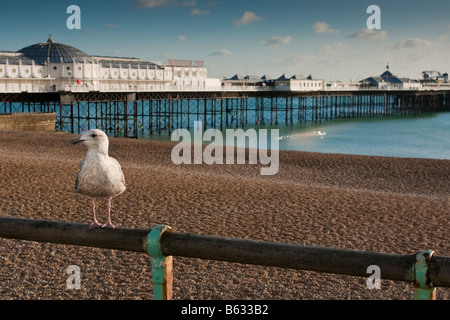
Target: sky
(328, 39)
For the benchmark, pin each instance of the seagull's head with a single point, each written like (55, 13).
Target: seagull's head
(94, 139)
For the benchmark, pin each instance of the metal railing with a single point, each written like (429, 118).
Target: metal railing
(426, 270)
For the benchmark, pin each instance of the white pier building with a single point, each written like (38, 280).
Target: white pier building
(56, 67)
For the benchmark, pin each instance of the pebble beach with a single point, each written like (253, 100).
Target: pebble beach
(391, 205)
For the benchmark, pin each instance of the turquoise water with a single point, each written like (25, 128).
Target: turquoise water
(425, 136)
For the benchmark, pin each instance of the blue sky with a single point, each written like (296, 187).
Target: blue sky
(326, 38)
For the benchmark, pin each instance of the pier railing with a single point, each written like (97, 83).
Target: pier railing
(425, 269)
(155, 88)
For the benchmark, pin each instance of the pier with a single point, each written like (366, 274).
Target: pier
(138, 114)
(130, 97)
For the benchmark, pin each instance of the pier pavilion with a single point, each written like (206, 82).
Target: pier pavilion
(55, 67)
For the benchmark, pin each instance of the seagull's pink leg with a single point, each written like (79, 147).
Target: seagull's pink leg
(108, 223)
(94, 224)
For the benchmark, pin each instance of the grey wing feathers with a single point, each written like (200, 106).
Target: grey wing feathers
(119, 167)
(81, 163)
(76, 182)
(80, 166)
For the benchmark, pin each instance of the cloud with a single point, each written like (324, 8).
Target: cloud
(368, 34)
(275, 41)
(198, 12)
(411, 43)
(332, 48)
(112, 26)
(247, 17)
(323, 27)
(221, 53)
(442, 38)
(154, 3)
(181, 38)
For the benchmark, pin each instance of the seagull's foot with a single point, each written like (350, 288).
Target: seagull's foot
(108, 225)
(94, 225)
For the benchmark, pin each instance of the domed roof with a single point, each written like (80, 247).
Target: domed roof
(54, 53)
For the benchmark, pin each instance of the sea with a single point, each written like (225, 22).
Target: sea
(419, 136)
(424, 136)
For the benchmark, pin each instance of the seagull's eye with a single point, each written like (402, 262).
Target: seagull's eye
(93, 135)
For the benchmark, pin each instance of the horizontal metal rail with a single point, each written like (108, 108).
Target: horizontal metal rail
(396, 267)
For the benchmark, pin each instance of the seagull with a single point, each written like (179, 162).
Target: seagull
(99, 176)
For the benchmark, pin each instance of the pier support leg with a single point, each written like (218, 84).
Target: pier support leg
(424, 288)
(162, 266)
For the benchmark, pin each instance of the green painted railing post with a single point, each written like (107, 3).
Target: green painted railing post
(162, 266)
(424, 288)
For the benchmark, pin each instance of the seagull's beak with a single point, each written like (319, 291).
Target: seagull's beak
(76, 141)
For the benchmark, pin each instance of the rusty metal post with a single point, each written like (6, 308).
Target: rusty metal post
(424, 288)
(162, 266)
